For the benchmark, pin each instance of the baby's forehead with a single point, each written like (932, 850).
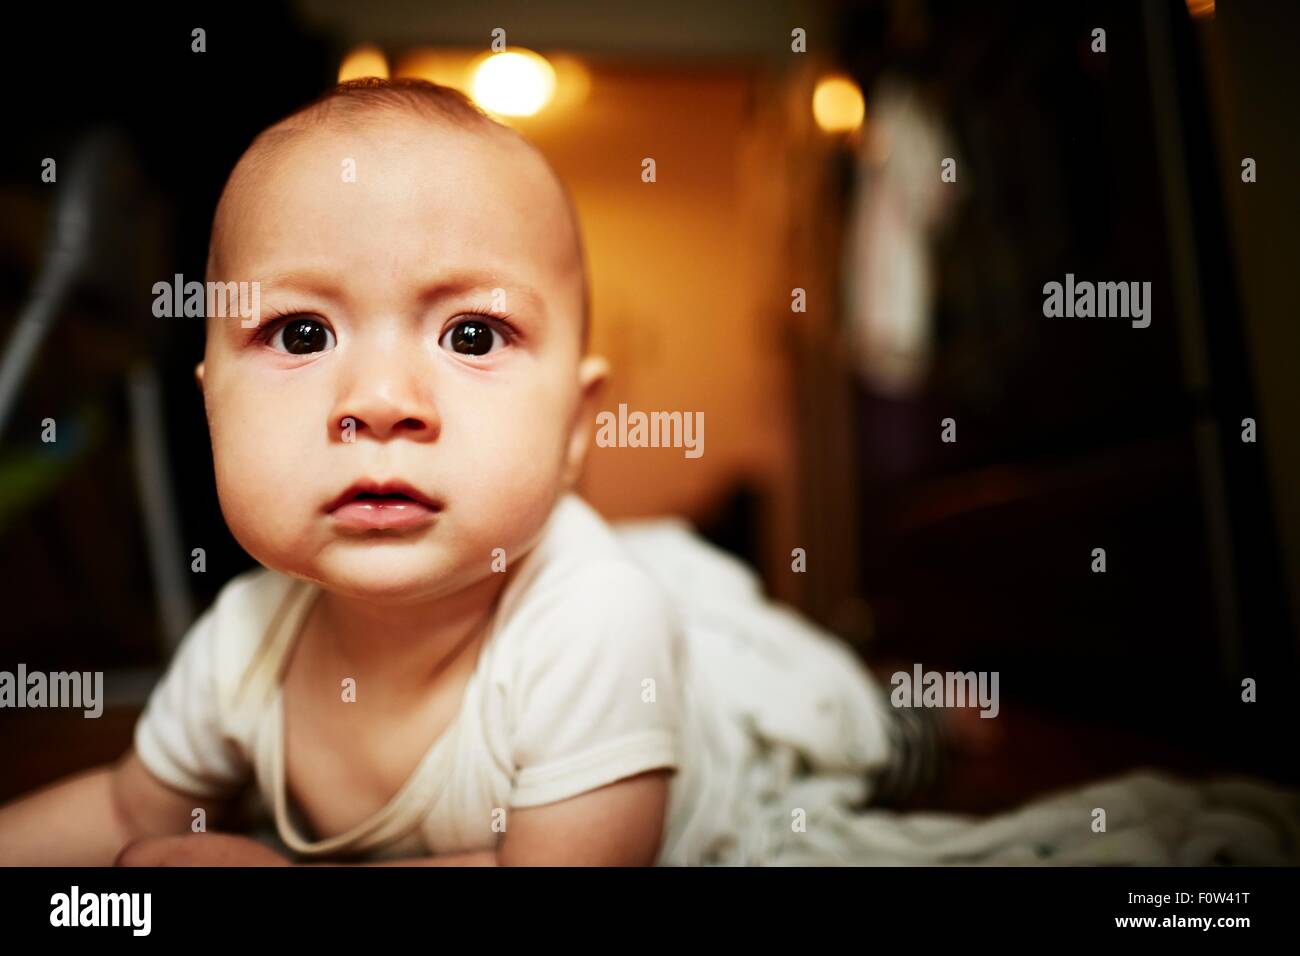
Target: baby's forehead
(412, 152)
(389, 162)
(356, 181)
(382, 129)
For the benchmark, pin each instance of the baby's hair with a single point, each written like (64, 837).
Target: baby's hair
(372, 95)
(358, 101)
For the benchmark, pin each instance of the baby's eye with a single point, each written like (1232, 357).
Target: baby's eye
(302, 336)
(471, 337)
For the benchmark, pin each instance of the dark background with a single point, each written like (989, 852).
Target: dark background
(976, 555)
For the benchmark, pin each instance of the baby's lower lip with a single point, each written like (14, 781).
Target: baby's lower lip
(369, 513)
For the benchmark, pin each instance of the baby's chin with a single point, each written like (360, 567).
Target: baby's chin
(390, 572)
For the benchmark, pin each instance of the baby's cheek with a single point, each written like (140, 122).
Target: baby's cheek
(509, 474)
(259, 433)
(258, 456)
(247, 491)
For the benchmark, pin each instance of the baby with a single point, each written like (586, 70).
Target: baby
(446, 657)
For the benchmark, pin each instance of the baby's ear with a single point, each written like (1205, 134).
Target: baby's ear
(593, 372)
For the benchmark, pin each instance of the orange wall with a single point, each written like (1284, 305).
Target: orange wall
(681, 293)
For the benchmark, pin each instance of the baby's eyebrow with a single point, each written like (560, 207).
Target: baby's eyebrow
(304, 280)
(499, 291)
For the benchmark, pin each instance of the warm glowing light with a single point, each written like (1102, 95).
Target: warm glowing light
(837, 104)
(515, 82)
(445, 67)
(1200, 8)
(362, 62)
(572, 82)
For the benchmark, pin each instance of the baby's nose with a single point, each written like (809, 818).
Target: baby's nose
(386, 396)
(383, 422)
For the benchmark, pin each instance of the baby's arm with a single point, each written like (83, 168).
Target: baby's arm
(86, 819)
(620, 824)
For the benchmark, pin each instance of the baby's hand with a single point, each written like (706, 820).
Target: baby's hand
(199, 849)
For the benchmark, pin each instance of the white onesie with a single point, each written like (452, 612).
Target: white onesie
(589, 674)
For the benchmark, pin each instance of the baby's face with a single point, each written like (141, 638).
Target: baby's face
(370, 370)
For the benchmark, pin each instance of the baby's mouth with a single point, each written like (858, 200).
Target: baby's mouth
(382, 505)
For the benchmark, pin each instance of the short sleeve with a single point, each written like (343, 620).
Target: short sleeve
(180, 736)
(596, 695)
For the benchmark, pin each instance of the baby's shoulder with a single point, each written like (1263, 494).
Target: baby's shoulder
(248, 600)
(236, 623)
(581, 565)
(581, 591)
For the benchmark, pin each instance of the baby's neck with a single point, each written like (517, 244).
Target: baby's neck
(406, 647)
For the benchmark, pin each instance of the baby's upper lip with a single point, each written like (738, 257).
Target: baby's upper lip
(371, 486)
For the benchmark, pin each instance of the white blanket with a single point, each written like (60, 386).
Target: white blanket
(806, 732)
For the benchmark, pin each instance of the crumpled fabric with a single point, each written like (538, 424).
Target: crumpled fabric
(798, 733)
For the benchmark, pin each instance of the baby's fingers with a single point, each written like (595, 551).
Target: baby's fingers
(201, 849)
